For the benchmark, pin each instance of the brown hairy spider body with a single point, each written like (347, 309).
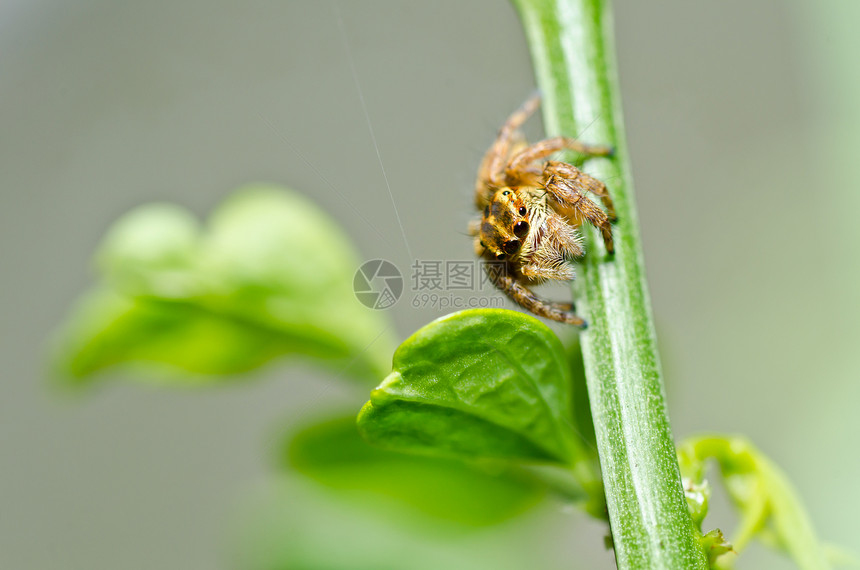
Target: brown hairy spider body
(530, 211)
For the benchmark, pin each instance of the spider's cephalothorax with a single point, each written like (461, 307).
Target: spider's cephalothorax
(530, 210)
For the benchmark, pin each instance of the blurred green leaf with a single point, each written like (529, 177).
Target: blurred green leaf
(270, 275)
(484, 383)
(769, 506)
(153, 250)
(583, 422)
(298, 525)
(334, 454)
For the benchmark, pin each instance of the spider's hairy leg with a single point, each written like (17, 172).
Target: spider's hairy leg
(589, 183)
(561, 239)
(557, 269)
(518, 117)
(491, 173)
(517, 171)
(529, 301)
(562, 306)
(568, 195)
(561, 242)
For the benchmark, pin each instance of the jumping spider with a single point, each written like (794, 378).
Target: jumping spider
(531, 211)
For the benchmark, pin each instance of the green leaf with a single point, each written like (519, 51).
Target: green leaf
(769, 506)
(270, 275)
(483, 383)
(333, 453)
(153, 250)
(175, 342)
(583, 422)
(296, 524)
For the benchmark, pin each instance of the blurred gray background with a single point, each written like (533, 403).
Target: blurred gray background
(743, 125)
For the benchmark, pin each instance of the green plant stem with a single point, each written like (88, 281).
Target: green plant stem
(572, 50)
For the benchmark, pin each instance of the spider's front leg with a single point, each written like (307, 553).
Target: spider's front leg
(582, 181)
(522, 295)
(520, 170)
(568, 194)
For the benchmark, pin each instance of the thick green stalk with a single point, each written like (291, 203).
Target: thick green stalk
(572, 50)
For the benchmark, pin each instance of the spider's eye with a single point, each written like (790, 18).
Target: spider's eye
(500, 255)
(522, 210)
(511, 246)
(521, 229)
(506, 192)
